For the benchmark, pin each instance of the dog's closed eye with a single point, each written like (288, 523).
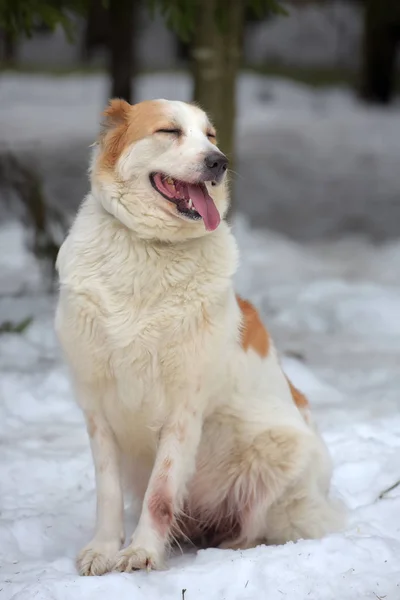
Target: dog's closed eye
(172, 131)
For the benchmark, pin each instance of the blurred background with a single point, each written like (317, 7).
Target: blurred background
(303, 94)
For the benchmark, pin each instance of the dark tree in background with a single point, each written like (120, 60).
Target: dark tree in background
(381, 40)
(96, 31)
(121, 54)
(7, 48)
(111, 25)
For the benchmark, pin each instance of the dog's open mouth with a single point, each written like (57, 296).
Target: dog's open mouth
(192, 200)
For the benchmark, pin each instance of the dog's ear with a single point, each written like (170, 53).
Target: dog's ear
(113, 131)
(116, 113)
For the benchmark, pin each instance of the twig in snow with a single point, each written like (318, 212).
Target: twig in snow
(20, 327)
(389, 489)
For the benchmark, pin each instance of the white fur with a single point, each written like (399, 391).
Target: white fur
(150, 327)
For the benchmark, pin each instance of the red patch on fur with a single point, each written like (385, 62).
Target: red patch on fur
(160, 508)
(253, 333)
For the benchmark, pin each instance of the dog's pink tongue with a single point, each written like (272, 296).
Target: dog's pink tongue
(205, 206)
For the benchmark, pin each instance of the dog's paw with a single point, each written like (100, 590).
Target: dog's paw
(134, 558)
(97, 558)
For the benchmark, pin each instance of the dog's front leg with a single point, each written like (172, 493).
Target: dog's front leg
(99, 555)
(174, 464)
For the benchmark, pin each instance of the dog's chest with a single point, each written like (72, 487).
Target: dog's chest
(158, 350)
(160, 339)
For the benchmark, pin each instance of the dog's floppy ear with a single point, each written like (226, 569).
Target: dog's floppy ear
(113, 131)
(116, 114)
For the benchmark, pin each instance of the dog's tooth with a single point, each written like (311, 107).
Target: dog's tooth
(190, 203)
(170, 181)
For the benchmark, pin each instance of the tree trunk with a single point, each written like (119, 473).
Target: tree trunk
(381, 36)
(216, 59)
(8, 50)
(121, 13)
(97, 29)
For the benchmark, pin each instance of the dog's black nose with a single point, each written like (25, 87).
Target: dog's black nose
(216, 164)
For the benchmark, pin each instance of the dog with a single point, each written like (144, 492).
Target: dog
(180, 384)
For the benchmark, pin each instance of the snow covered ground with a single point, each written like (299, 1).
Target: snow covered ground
(334, 311)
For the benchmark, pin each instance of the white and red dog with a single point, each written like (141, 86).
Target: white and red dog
(179, 382)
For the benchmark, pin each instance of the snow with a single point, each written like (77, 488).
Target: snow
(331, 306)
(337, 309)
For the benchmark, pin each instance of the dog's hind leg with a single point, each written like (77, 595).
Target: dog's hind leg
(304, 513)
(265, 471)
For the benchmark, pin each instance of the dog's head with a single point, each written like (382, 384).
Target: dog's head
(157, 169)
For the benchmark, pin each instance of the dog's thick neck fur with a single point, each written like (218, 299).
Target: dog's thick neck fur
(156, 265)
